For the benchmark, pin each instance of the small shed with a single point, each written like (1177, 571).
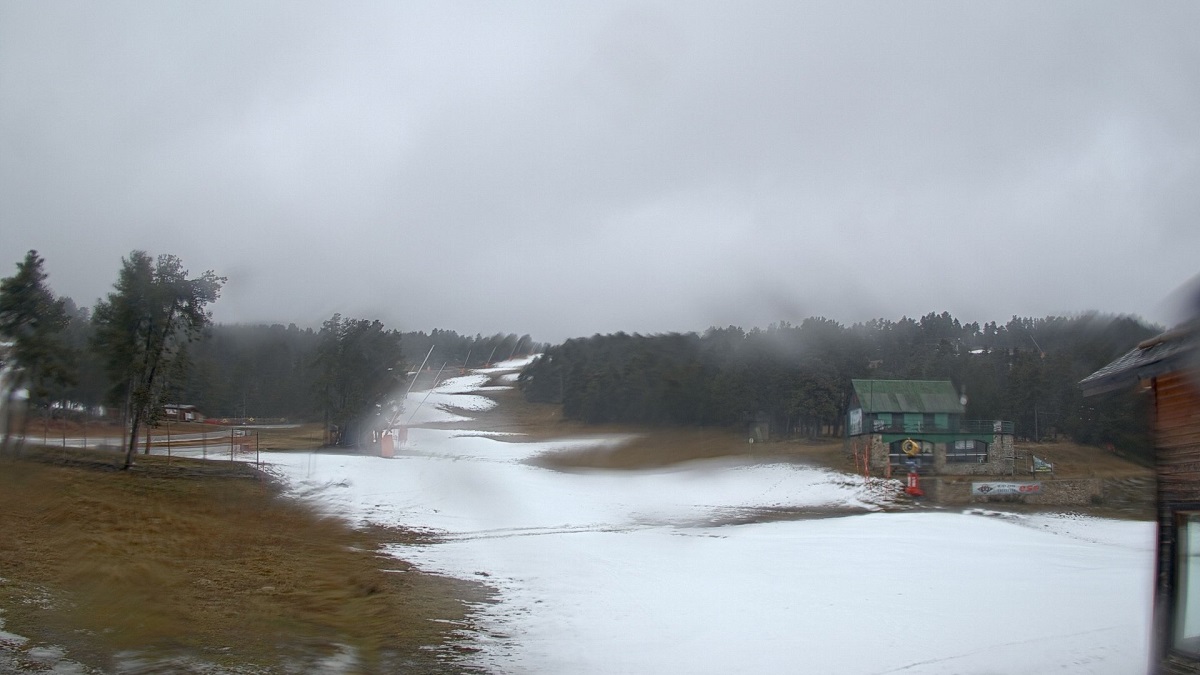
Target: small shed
(181, 412)
(1168, 367)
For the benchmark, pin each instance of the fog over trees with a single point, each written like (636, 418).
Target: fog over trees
(798, 376)
(151, 342)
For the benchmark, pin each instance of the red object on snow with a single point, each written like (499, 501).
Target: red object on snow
(914, 485)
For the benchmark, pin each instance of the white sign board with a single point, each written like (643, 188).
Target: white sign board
(998, 488)
(856, 421)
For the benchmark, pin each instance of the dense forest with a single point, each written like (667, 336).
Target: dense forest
(799, 377)
(275, 372)
(152, 342)
(133, 352)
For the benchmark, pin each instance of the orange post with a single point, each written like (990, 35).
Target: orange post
(914, 485)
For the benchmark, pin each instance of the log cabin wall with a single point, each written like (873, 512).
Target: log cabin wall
(1177, 413)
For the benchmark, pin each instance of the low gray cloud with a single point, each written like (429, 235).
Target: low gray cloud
(570, 168)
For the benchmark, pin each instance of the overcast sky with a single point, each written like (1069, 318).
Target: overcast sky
(563, 168)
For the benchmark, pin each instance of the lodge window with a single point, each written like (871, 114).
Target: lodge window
(967, 451)
(1186, 600)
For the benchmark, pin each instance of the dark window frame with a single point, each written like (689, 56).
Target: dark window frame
(1176, 595)
(923, 460)
(972, 456)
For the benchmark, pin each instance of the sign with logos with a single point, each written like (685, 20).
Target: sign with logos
(991, 488)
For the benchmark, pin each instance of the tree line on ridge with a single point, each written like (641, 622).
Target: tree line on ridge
(151, 341)
(799, 376)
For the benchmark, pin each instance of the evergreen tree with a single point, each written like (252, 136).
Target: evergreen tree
(141, 330)
(359, 375)
(31, 321)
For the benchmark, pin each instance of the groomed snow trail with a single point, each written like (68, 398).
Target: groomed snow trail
(628, 572)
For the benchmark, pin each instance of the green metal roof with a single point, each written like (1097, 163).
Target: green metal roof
(907, 396)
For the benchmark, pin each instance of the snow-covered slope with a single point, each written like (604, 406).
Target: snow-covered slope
(606, 572)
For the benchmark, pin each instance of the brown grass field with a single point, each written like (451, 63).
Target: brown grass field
(205, 561)
(303, 437)
(1072, 460)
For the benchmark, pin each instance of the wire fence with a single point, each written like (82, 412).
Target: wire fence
(229, 444)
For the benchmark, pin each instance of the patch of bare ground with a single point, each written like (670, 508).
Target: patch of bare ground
(1128, 487)
(1072, 460)
(171, 566)
(300, 437)
(649, 448)
(54, 429)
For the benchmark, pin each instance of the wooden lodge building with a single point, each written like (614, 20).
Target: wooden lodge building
(895, 425)
(1168, 367)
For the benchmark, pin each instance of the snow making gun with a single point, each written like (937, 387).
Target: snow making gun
(912, 448)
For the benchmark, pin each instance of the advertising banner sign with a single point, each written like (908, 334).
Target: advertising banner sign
(998, 488)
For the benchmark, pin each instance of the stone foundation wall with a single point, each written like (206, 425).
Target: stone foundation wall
(1000, 457)
(874, 447)
(1062, 492)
